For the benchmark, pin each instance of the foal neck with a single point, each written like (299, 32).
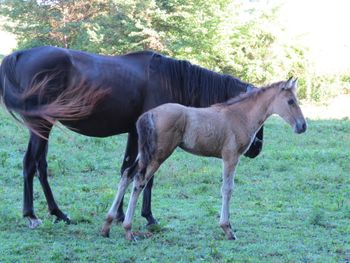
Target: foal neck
(257, 107)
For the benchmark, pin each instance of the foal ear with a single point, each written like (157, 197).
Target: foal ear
(291, 83)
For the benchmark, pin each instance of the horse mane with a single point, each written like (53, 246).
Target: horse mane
(193, 85)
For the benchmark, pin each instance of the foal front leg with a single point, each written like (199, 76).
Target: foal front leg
(226, 191)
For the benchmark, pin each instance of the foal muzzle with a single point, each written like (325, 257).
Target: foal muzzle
(300, 126)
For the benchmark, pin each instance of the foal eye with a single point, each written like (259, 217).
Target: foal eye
(291, 102)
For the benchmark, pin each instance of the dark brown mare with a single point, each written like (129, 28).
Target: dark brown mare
(224, 130)
(100, 96)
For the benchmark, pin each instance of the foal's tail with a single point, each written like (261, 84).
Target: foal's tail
(147, 139)
(52, 95)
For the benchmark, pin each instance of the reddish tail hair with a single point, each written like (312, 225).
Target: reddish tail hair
(75, 101)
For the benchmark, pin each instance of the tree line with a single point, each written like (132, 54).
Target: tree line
(232, 37)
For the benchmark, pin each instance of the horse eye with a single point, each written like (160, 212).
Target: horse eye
(291, 102)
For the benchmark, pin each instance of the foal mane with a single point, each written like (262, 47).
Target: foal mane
(249, 95)
(193, 85)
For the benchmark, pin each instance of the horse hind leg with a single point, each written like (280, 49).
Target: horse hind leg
(29, 169)
(35, 159)
(52, 205)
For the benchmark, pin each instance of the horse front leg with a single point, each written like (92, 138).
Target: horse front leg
(257, 144)
(146, 204)
(226, 192)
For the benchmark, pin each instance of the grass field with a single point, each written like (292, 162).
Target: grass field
(291, 204)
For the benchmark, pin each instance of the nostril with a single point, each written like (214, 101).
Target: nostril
(304, 126)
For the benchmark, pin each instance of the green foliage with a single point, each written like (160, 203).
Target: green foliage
(234, 37)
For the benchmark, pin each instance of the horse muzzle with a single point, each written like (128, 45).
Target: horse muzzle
(300, 126)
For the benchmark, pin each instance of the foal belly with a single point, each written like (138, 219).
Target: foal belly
(206, 142)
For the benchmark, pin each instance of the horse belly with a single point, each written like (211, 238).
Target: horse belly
(99, 126)
(111, 117)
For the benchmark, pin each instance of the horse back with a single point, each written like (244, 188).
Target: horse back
(125, 77)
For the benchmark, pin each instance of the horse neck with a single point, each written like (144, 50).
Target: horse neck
(257, 108)
(195, 86)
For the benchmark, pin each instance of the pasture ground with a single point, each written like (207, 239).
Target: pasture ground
(291, 204)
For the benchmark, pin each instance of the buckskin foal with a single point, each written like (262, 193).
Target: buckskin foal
(223, 130)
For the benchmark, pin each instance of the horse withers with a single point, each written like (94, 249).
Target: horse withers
(224, 130)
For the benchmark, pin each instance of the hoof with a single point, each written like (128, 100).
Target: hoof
(151, 221)
(231, 237)
(228, 231)
(106, 228)
(34, 222)
(105, 232)
(130, 236)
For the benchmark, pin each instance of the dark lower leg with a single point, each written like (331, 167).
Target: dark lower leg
(42, 169)
(146, 204)
(28, 209)
(120, 213)
(53, 207)
(29, 169)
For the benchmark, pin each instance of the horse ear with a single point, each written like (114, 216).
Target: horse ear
(290, 83)
(295, 83)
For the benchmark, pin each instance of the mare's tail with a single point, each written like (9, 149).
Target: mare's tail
(147, 143)
(52, 95)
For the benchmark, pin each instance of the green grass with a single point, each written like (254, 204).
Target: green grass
(291, 204)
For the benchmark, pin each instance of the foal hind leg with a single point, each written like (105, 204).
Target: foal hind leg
(140, 180)
(129, 158)
(113, 211)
